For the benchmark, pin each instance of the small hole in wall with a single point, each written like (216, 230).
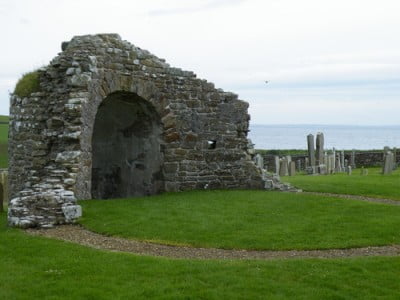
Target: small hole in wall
(212, 144)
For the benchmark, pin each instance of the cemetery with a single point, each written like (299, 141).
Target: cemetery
(322, 161)
(190, 201)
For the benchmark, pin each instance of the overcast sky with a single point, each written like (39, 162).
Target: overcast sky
(327, 62)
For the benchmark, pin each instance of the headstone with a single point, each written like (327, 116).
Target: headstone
(328, 164)
(346, 163)
(364, 172)
(310, 170)
(388, 163)
(394, 151)
(353, 159)
(338, 165)
(325, 159)
(306, 163)
(311, 151)
(298, 165)
(320, 148)
(342, 161)
(386, 149)
(334, 158)
(259, 161)
(349, 170)
(322, 169)
(277, 163)
(292, 168)
(283, 167)
(288, 158)
(331, 164)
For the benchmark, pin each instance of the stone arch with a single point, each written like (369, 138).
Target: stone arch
(56, 132)
(110, 86)
(126, 148)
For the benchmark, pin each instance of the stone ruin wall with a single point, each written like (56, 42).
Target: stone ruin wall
(50, 135)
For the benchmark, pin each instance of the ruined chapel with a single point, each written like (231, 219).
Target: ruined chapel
(112, 120)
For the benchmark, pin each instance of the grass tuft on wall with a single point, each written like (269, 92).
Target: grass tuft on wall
(28, 84)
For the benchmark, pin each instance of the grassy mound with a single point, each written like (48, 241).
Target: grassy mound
(29, 83)
(246, 220)
(373, 185)
(39, 268)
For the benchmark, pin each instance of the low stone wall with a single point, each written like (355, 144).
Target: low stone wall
(362, 159)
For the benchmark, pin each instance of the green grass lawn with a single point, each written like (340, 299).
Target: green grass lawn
(4, 119)
(39, 268)
(374, 184)
(246, 220)
(3, 141)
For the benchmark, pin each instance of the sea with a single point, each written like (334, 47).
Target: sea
(342, 137)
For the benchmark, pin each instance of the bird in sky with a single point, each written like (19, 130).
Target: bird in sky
(266, 81)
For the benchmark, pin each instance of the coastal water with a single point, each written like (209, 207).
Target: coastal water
(338, 136)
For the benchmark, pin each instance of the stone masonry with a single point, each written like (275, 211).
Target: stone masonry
(112, 120)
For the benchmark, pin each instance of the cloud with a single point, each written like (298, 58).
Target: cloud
(24, 21)
(5, 8)
(188, 7)
(330, 52)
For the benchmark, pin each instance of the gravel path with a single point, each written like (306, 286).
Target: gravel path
(79, 235)
(356, 197)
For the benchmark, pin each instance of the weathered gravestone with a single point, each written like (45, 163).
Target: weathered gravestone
(321, 169)
(363, 172)
(259, 161)
(292, 168)
(298, 165)
(331, 164)
(334, 159)
(311, 154)
(320, 148)
(349, 170)
(277, 164)
(388, 163)
(342, 162)
(353, 159)
(283, 167)
(338, 166)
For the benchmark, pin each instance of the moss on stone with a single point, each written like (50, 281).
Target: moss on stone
(28, 84)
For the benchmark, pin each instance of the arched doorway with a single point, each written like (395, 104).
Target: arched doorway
(126, 154)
